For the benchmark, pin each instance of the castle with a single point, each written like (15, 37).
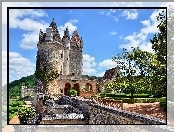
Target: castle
(65, 56)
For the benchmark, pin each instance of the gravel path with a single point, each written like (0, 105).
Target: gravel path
(152, 109)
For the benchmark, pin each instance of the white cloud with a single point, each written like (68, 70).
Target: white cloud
(146, 23)
(111, 14)
(107, 64)
(101, 74)
(146, 47)
(121, 36)
(19, 66)
(131, 40)
(20, 13)
(139, 39)
(130, 14)
(74, 20)
(102, 12)
(16, 15)
(89, 65)
(70, 26)
(112, 33)
(30, 38)
(23, 19)
(27, 24)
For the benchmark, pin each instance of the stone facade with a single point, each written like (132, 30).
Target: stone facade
(26, 91)
(63, 55)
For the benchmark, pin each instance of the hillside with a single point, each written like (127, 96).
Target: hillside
(15, 86)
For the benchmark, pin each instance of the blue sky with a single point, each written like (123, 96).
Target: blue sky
(104, 31)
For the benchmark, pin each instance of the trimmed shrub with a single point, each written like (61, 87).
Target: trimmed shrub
(148, 100)
(141, 100)
(138, 95)
(73, 92)
(118, 95)
(102, 95)
(24, 114)
(125, 100)
(13, 109)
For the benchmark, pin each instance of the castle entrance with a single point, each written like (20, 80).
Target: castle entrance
(67, 88)
(77, 88)
(89, 87)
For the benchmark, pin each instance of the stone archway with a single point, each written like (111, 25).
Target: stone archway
(77, 88)
(67, 89)
(89, 87)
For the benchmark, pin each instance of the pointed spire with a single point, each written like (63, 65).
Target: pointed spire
(75, 36)
(53, 24)
(66, 33)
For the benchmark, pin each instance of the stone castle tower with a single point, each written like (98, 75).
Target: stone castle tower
(63, 54)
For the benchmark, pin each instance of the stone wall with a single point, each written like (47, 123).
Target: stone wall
(26, 91)
(50, 53)
(57, 86)
(100, 114)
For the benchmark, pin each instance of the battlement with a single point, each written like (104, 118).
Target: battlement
(52, 35)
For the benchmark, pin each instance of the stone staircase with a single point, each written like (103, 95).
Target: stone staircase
(61, 114)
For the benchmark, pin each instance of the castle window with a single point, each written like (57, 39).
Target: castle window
(61, 70)
(61, 55)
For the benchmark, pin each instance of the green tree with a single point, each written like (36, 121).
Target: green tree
(128, 68)
(159, 45)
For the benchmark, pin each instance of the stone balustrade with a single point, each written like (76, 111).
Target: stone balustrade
(109, 102)
(102, 114)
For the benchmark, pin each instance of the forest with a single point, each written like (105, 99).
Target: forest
(15, 86)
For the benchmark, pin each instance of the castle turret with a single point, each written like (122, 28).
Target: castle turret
(75, 54)
(63, 56)
(50, 49)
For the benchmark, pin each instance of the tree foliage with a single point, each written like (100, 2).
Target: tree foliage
(159, 44)
(15, 86)
(142, 70)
